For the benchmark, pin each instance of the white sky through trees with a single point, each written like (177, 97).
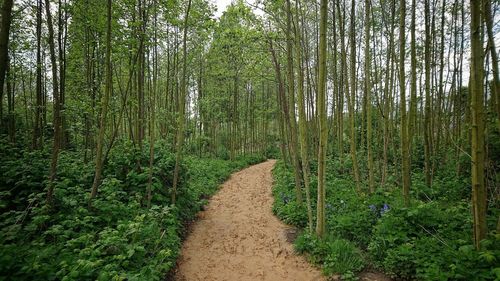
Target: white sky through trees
(221, 6)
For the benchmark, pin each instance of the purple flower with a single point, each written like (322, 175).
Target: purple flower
(384, 209)
(373, 208)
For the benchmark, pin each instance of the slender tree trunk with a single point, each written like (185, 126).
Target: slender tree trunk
(323, 125)
(56, 114)
(479, 200)
(4, 46)
(152, 105)
(291, 96)
(37, 132)
(302, 119)
(61, 40)
(440, 93)
(388, 81)
(368, 89)
(338, 92)
(283, 105)
(405, 153)
(141, 118)
(11, 121)
(182, 108)
(427, 113)
(104, 109)
(344, 90)
(413, 84)
(495, 90)
(352, 98)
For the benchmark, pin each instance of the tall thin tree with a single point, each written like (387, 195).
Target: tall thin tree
(4, 45)
(104, 108)
(405, 154)
(351, 100)
(291, 100)
(304, 148)
(368, 89)
(479, 196)
(182, 107)
(323, 125)
(57, 107)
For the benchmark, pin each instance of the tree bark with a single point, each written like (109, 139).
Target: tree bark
(368, 89)
(427, 113)
(56, 103)
(323, 124)
(352, 97)
(4, 46)
(304, 148)
(291, 100)
(104, 109)
(479, 200)
(182, 108)
(37, 132)
(405, 154)
(495, 89)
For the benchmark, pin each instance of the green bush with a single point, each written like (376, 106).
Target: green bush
(333, 254)
(426, 241)
(285, 205)
(118, 238)
(431, 240)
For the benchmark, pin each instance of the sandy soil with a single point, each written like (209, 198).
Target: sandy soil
(238, 238)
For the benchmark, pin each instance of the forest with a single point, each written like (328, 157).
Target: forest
(119, 120)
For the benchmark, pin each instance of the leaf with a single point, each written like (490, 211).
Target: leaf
(487, 256)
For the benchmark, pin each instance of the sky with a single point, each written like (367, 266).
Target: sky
(221, 6)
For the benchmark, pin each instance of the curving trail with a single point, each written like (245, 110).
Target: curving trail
(238, 238)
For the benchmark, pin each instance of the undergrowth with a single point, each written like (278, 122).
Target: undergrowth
(430, 240)
(118, 238)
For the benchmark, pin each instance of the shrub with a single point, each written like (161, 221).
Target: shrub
(333, 254)
(118, 238)
(427, 241)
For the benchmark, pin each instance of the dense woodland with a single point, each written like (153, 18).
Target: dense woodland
(118, 120)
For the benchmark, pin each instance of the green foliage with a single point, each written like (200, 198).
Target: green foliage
(285, 205)
(334, 254)
(21, 173)
(431, 240)
(447, 187)
(118, 238)
(428, 241)
(272, 152)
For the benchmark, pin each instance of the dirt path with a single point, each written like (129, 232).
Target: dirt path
(238, 238)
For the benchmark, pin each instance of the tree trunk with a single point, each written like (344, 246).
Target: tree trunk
(368, 89)
(427, 113)
(4, 46)
(182, 108)
(56, 103)
(479, 200)
(405, 154)
(413, 83)
(37, 132)
(152, 104)
(291, 96)
(323, 125)
(495, 90)
(302, 120)
(104, 109)
(352, 97)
